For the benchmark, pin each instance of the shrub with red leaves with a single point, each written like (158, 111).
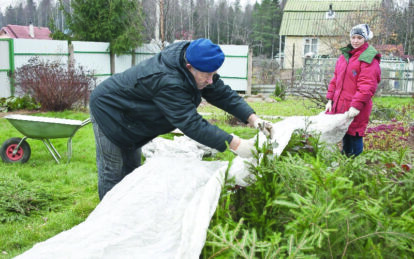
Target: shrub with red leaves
(56, 86)
(391, 136)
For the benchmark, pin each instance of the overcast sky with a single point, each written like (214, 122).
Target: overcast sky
(5, 3)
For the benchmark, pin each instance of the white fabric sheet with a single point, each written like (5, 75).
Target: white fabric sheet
(163, 208)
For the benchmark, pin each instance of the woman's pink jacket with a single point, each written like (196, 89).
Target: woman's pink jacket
(356, 77)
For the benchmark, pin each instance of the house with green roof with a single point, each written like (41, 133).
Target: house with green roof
(312, 28)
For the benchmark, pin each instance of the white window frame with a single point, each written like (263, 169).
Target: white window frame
(312, 47)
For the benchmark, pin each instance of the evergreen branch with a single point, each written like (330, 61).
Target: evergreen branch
(373, 234)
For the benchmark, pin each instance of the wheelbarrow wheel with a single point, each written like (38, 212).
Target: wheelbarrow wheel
(21, 156)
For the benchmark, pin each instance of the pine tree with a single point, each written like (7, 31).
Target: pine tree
(118, 22)
(266, 23)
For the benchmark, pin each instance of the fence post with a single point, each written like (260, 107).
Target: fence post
(11, 66)
(112, 60)
(133, 58)
(71, 57)
(293, 67)
(249, 71)
(412, 77)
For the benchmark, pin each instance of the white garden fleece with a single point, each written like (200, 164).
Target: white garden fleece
(163, 208)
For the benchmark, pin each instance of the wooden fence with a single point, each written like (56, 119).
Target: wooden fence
(397, 77)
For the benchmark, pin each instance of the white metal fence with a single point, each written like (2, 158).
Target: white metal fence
(95, 57)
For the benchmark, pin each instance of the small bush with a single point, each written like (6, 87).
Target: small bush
(54, 85)
(403, 112)
(14, 103)
(383, 113)
(280, 90)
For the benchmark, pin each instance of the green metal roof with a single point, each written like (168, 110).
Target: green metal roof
(308, 17)
(323, 5)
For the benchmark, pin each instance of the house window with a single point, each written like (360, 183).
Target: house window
(310, 48)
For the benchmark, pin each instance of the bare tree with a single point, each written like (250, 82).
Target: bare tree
(10, 15)
(1, 19)
(44, 12)
(408, 15)
(30, 12)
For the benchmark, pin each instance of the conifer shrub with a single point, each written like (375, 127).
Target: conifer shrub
(19, 199)
(314, 202)
(280, 91)
(53, 84)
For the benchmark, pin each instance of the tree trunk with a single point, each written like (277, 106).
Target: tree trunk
(162, 22)
(157, 22)
(208, 20)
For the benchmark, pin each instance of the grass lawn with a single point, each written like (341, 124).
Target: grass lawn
(41, 198)
(289, 107)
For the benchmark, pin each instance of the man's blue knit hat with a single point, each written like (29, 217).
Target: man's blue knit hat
(204, 55)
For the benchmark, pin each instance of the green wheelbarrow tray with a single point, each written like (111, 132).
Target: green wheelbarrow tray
(44, 128)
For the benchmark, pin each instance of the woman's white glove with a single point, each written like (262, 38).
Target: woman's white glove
(328, 106)
(242, 147)
(266, 127)
(352, 112)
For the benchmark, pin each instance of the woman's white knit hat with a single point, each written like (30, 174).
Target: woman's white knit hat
(363, 30)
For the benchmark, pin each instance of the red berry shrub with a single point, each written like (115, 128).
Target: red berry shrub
(56, 86)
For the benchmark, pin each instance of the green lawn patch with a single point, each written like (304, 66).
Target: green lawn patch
(311, 204)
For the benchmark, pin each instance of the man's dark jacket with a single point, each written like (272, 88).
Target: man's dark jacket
(158, 95)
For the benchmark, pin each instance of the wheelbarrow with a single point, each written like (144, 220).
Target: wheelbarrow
(17, 150)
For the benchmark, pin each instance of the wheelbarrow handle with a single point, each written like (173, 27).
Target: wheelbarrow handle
(85, 122)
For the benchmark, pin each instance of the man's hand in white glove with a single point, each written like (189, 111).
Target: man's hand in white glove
(242, 147)
(328, 106)
(352, 112)
(265, 127)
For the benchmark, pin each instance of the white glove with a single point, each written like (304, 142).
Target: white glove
(352, 112)
(245, 148)
(328, 106)
(265, 127)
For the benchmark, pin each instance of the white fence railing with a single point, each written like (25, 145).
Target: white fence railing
(397, 76)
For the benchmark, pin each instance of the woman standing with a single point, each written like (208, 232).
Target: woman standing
(356, 77)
